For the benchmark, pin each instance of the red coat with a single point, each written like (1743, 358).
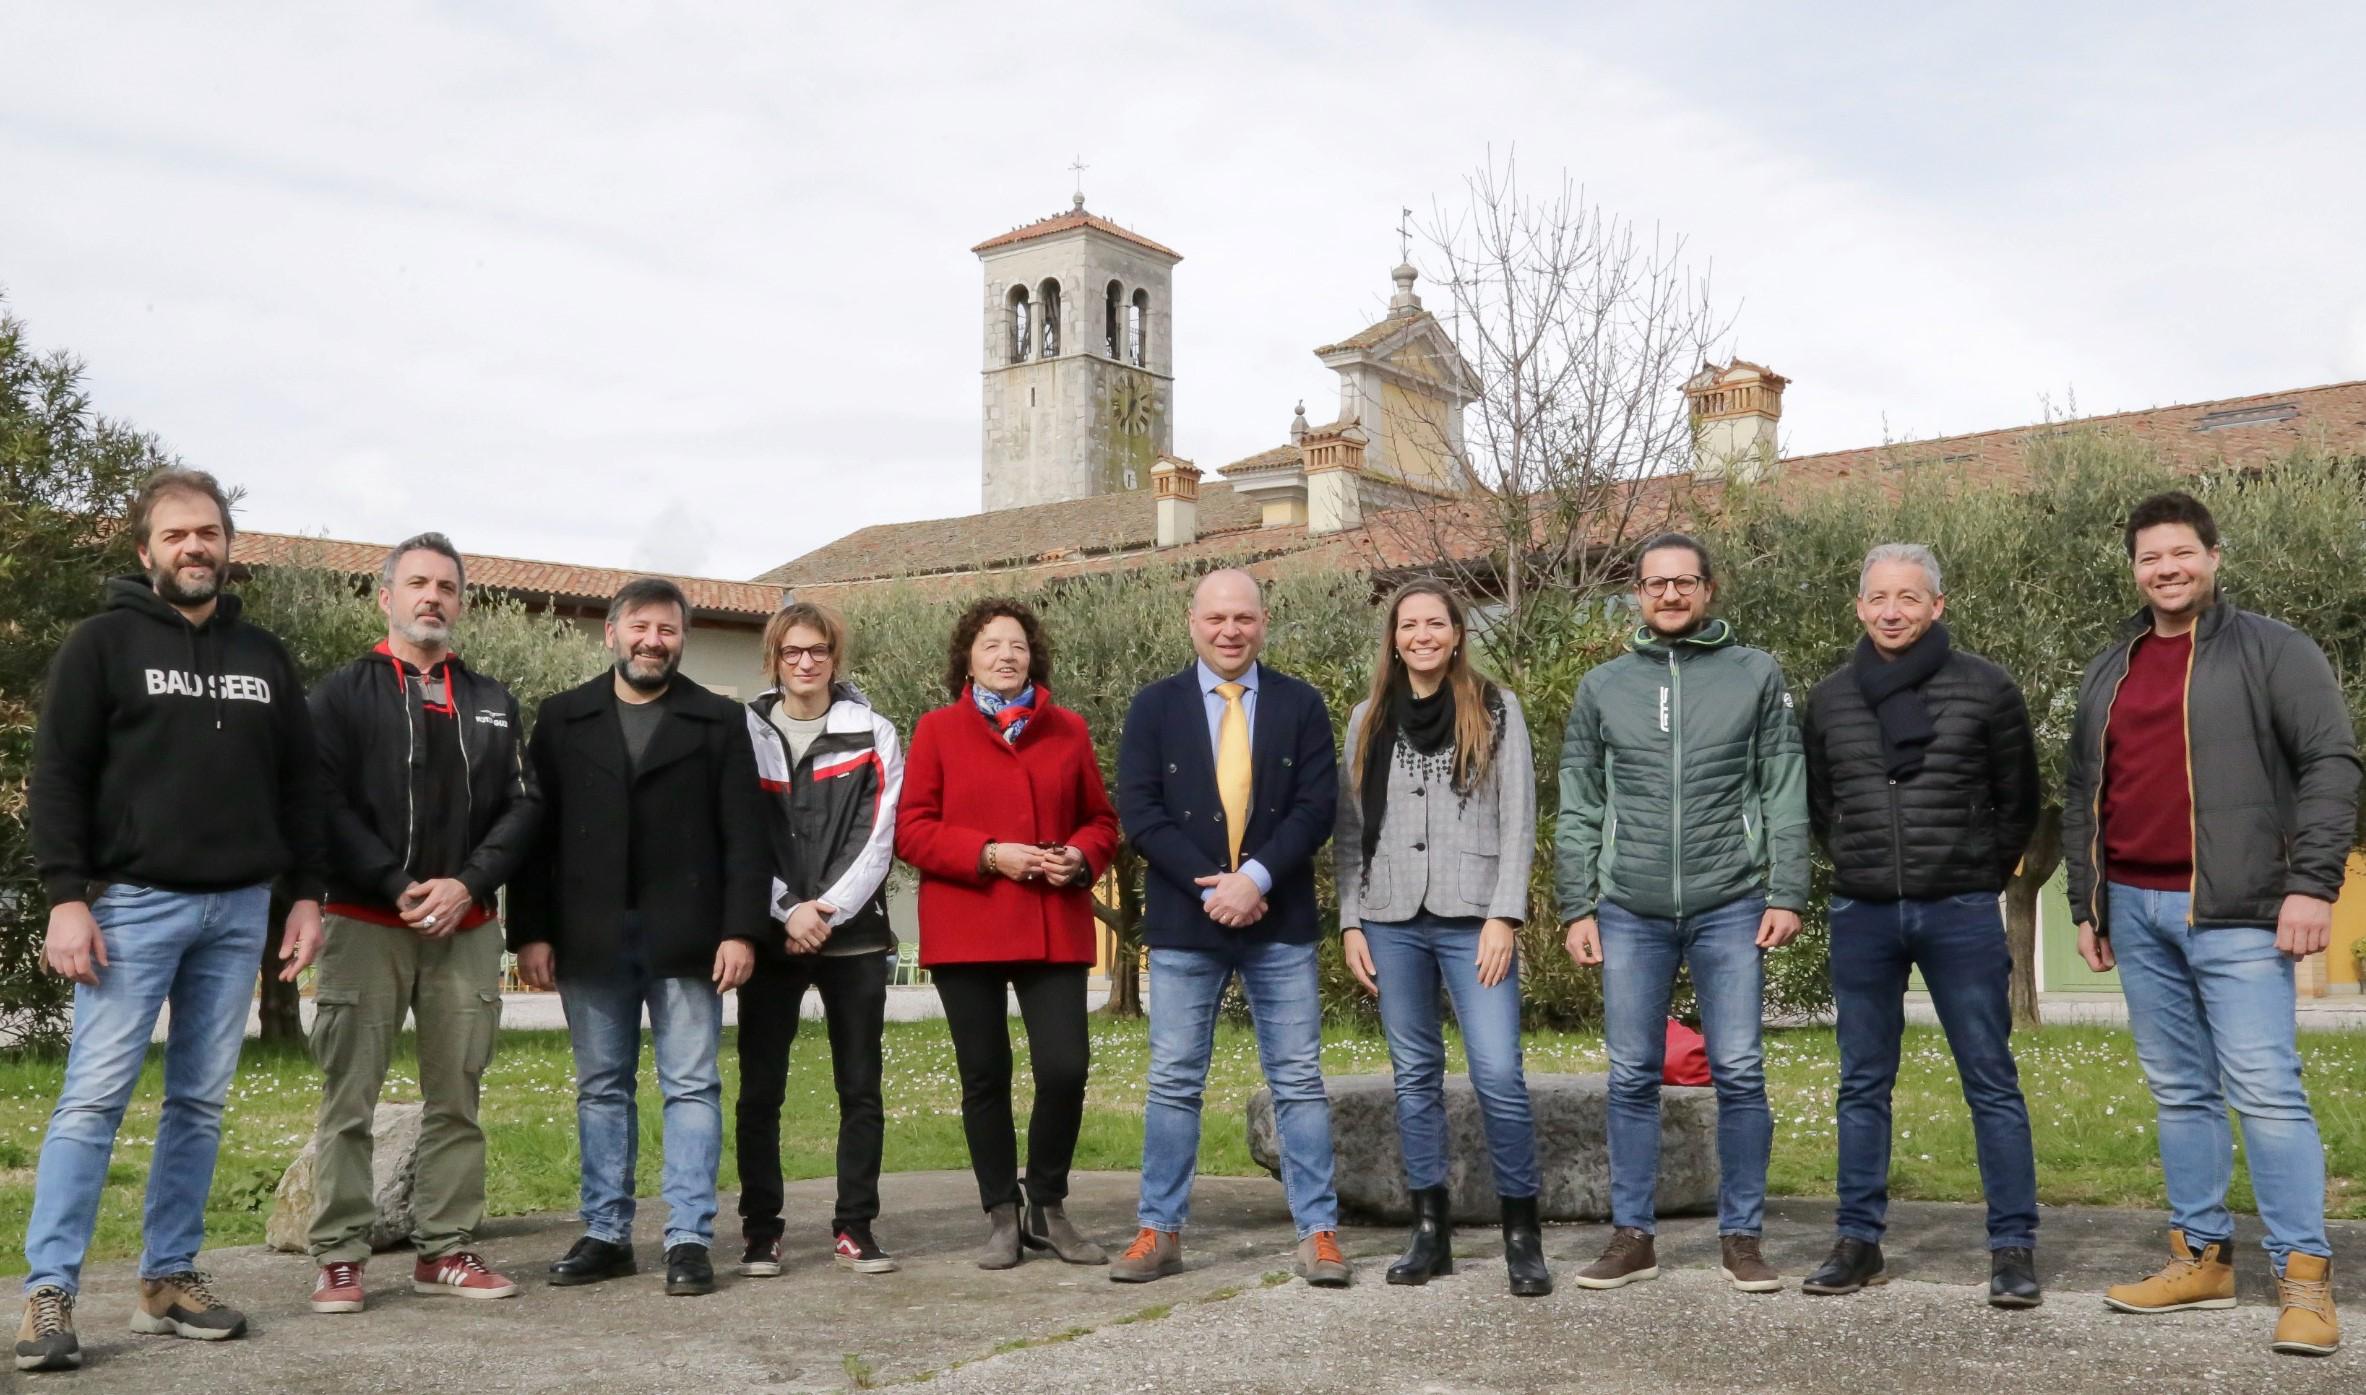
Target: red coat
(964, 786)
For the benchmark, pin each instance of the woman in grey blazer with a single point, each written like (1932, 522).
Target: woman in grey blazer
(1437, 828)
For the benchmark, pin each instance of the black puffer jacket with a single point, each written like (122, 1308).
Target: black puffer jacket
(1961, 824)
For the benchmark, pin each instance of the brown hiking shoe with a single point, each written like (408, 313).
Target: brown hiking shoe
(45, 1339)
(1153, 1255)
(184, 1305)
(2306, 1327)
(1743, 1267)
(2188, 1280)
(1627, 1259)
(1322, 1263)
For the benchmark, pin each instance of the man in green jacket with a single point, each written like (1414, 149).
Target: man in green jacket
(1683, 838)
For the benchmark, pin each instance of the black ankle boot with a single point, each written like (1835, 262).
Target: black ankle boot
(1523, 1248)
(1430, 1252)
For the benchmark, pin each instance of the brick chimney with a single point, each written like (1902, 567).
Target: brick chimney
(1736, 409)
(1174, 482)
(1334, 471)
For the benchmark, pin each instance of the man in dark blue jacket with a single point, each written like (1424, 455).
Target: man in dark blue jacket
(1225, 783)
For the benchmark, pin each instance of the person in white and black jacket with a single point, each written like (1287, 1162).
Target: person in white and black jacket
(831, 769)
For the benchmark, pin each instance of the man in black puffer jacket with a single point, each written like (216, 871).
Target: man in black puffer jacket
(1922, 783)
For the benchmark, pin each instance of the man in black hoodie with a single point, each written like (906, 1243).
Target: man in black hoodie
(173, 782)
(430, 813)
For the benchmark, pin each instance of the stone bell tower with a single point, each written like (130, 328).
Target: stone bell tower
(1079, 359)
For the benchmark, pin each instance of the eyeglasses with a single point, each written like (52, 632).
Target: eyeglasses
(1657, 586)
(794, 654)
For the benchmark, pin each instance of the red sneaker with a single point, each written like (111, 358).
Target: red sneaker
(338, 1289)
(459, 1274)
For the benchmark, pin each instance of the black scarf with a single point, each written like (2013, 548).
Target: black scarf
(1426, 725)
(1893, 689)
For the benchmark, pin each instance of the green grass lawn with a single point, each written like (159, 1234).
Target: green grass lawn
(2092, 1118)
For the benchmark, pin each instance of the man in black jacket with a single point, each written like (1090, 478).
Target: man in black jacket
(1922, 783)
(2207, 816)
(429, 814)
(173, 781)
(648, 890)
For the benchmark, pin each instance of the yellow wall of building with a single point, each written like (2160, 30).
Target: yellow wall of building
(1415, 426)
(2349, 925)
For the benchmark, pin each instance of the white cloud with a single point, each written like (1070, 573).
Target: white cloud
(518, 271)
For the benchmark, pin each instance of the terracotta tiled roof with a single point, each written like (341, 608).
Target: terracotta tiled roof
(1070, 222)
(1374, 335)
(710, 597)
(2237, 430)
(1040, 533)
(1281, 456)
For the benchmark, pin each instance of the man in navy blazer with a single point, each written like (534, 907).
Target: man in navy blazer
(1226, 785)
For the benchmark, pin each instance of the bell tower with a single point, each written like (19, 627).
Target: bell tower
(1079, 359)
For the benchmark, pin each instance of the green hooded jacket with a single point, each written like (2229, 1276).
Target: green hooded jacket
(1683, 784)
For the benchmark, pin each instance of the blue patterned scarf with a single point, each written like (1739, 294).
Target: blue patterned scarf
(1009, 715)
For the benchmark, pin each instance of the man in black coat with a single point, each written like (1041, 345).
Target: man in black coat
(647, 890)
(1923, 785)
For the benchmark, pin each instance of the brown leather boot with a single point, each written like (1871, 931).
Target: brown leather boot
(1627, 1259)
(1744, 1267)
(2307, 1326)
(2188, 1280)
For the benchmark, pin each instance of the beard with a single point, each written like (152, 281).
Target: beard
(645, 673)
(167, 581)
(427, 632)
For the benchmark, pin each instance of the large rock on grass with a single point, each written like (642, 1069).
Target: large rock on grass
(394, 1166)
(1572, 1144)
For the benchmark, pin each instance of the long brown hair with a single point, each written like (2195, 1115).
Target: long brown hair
(1474, 725)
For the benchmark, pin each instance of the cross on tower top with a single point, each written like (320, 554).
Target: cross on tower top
(1078, 167)
(1405, 235)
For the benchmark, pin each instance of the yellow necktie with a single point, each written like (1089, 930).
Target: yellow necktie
(1232, 766)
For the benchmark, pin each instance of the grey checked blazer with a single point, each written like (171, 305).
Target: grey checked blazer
(1438, 852)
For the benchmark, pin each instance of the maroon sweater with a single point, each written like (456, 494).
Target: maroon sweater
(2147, 793)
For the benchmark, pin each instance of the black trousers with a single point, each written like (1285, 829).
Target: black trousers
(1051, 1003)
(854, 1006)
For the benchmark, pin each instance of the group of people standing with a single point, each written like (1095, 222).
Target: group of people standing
(663, 845)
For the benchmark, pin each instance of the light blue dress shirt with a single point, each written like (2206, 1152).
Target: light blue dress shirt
(1208, 681)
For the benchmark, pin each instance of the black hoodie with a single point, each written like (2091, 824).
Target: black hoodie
(173, 755)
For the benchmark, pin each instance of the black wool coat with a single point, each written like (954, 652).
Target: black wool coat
(644, 870)
(1957, 826)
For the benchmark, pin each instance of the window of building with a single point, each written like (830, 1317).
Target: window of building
(1047, 309)
(1113, 313)
(1137, 328)
(1015, 312)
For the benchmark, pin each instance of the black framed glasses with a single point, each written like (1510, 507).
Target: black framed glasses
(1658, 586)
(793, 654)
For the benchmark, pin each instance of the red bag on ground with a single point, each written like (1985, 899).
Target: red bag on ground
(1688, 1057)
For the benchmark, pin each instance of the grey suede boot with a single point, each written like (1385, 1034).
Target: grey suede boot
(1046, 1227)
(1001, 1250)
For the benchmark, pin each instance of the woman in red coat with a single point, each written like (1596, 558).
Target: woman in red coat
(1006, 819)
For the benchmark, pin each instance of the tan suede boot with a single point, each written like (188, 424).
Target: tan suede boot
(2306, 1327)
(2189, 1280)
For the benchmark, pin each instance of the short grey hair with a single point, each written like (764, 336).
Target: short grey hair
(1915, 553)
(422, 542)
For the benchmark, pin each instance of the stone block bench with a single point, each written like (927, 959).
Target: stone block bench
(1572, 1144)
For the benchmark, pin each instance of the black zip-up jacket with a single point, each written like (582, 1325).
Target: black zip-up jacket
(2272, 760)
(173, 755)
(832, 818)
(1959, 825)
(373, 771)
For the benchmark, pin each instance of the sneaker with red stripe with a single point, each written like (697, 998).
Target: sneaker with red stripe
(338, 1289)
(459, 1274)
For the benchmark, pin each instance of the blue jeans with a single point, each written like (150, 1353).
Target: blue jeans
(1186, 987)
(1639, 958)
(2212, 1014)
(604, 1028)
(1959, 944)
(200, 951)
(1409, 959)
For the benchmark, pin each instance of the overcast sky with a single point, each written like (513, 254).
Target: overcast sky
(688, 286)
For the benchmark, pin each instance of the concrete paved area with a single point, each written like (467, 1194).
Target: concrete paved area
(1229, 1324)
